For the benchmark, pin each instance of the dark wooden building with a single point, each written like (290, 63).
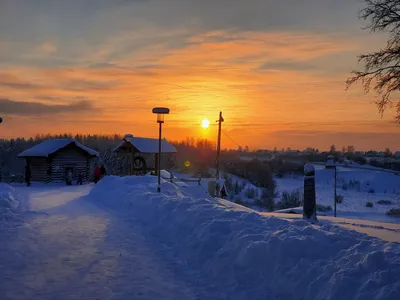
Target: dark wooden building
(51, 160)
(141, 154)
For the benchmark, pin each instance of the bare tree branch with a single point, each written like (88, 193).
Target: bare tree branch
(381, 72)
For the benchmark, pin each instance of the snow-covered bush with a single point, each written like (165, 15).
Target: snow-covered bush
(291, 199)
(371, 191)
(339, 198)
(267, 200)
(324, 208)
(228, 183)
(369, 204)
(238, 200)
(394, 212)
(251, 193)
(385, 202)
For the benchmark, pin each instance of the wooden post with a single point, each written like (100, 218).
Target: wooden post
(220, 120)
(309, 206)
(156, 164)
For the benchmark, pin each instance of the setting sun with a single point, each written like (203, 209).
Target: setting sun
(205, 123)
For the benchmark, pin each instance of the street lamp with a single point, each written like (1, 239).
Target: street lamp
(160, 111)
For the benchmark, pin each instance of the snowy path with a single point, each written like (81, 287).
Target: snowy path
(68, 248)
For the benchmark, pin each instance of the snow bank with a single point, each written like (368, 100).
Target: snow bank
(9, 204)
(234, 253)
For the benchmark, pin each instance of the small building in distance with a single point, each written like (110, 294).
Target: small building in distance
(141, 154)
(51, 160)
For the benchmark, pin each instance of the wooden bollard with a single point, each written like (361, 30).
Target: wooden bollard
(309, 205)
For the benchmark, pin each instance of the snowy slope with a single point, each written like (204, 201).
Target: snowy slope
(385, 186)
(229, 252)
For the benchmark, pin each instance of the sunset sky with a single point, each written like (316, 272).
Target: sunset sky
(277, 70)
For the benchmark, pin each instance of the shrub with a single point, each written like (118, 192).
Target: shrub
(339, 198)
(238, 200)
(251, 193)
(371, 191)
(324, 208)
(267, 200)
(393, 212)
(369, 204)
(345, 186)
(291, 199)
(237, 188)
(385, 202)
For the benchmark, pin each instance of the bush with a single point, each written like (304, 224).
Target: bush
(238, 200)
(339, 198)
(251, 193)
(369, 204)
(291, 199)
(345, 186)
(385, 202)
(394, 212)
(228, 183)
(237, 188)
(324, 208)
(267, 200)
(371, 191)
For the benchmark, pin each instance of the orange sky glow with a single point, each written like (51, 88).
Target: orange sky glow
(277, 87)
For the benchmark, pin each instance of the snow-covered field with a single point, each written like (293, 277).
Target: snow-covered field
(368, 186)
(122, 240)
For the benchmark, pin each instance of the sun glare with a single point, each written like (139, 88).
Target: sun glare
(205, 123)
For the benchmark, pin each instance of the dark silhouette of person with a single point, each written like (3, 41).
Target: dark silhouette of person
(97, 174)
(28, 175)
(80, 178)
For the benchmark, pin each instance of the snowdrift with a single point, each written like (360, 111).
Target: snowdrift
(9, 203)
(235, 253)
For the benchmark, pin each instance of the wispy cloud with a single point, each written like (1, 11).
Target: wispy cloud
(10, 107)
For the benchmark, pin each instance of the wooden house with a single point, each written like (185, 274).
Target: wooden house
(50, 160)
(141, 154)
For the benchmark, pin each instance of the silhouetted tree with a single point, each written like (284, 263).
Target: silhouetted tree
(382, 68)
(388, 153)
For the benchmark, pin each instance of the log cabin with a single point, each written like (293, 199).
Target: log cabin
(141, 154)
(51, 160)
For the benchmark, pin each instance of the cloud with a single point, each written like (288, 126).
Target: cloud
(287, 66)
(23, 108)
(47, 48)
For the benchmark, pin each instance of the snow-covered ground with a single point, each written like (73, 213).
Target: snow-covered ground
(370, 186)
(122, 240)
(10, 205)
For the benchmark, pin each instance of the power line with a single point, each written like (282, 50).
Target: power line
(231, 139)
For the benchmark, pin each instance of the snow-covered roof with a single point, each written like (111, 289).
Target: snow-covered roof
(49, 147)
(148, 145)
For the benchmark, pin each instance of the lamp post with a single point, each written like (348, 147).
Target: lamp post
(160, 111)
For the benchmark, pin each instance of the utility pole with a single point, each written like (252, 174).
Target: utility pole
(220, 120)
